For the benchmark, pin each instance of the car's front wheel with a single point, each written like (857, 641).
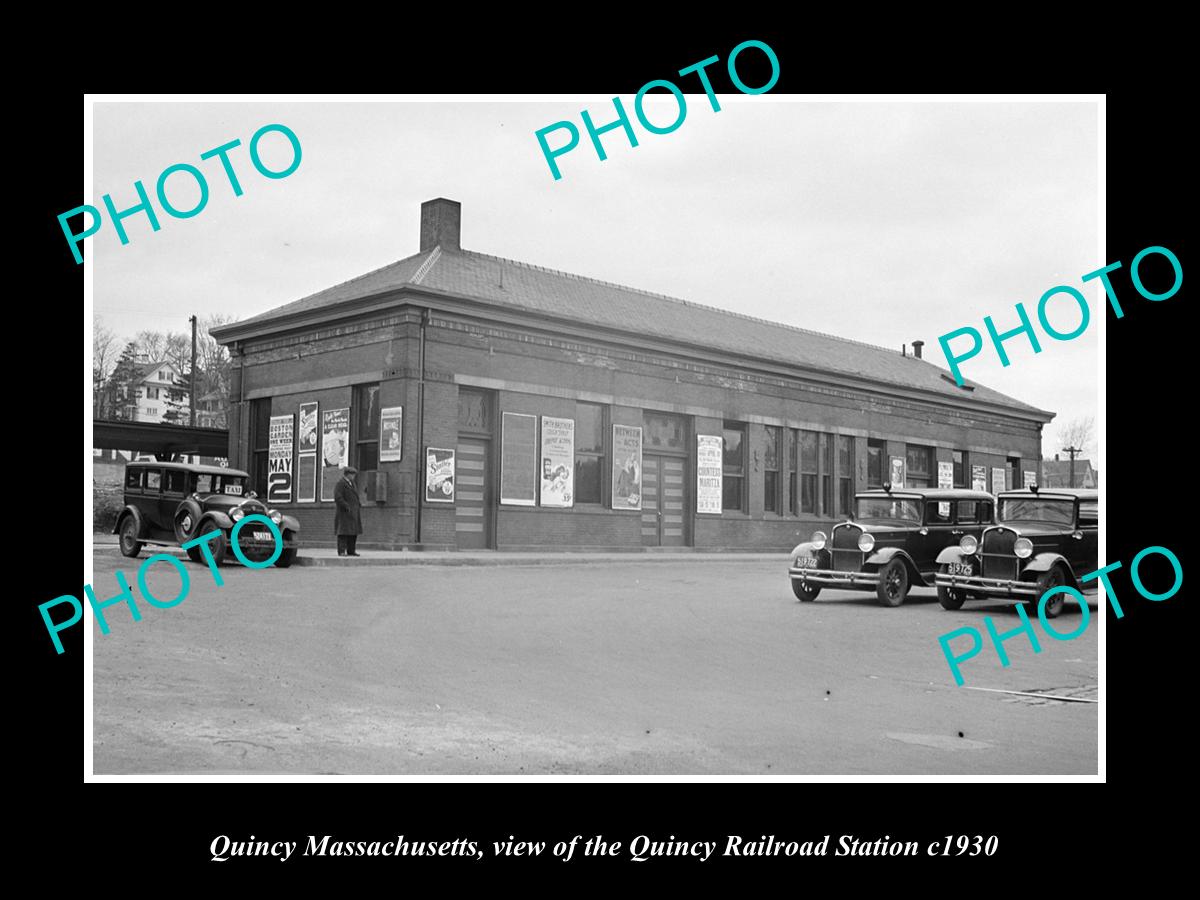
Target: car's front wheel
(950, 598)
(803, 592)
(130, 545)
(893, 583)
(1054, 606)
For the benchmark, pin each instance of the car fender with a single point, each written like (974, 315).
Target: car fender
(288, 523)
(953, 554)
(885, 555)
(192, 506)
(213, 519)
(1044, 562)
(130, 510)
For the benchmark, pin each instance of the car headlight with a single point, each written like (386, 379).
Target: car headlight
(276, 516)
(968, 545)
(1023, 548)
(818, 540)
(236, 513)
(866, 542)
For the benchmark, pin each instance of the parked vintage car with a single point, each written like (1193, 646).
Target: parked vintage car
(1044, 538)
(891, 543)
(171, 503)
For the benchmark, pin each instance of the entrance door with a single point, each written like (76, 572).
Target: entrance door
(471, 500)
(662, 501)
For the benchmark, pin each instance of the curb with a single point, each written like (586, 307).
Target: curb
(420, 560)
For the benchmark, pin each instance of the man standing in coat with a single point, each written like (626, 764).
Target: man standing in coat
(347, 522)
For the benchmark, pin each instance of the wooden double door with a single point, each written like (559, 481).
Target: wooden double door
(664, 500)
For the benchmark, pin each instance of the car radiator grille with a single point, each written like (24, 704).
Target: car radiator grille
(999, 561)
(846, 555)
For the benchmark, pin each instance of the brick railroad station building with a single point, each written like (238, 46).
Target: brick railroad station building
(493, 403)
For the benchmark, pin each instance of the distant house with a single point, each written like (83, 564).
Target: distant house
(154, 387)
(211, 410)
(1057, 473)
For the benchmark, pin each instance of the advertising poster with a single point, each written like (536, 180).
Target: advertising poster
(627, 467)
(518, 459)
(979, 478)
(558, 461)
(391, 433)
(897, 472)
(306, 460)
(279, 459)
(997, 480)
(708, 473)
(308, 428)
(439, 475)
(945, 480)
(1030, 478)
(335, 448)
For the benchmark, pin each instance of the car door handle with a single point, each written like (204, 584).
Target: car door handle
(956, 531)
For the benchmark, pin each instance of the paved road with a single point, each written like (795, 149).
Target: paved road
(624, 668)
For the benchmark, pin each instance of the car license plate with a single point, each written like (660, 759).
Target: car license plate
(960, 568)
(262, 535)
(806, 562)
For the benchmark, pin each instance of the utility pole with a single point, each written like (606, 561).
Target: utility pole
(1073, 451)
(192, 396)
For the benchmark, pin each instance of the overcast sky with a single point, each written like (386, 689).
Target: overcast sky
(885, 223)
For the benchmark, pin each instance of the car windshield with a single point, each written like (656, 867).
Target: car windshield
(888, 508)
(1056, 512)
(234, 485)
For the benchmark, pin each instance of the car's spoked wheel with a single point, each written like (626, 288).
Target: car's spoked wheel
(130, 545)
(950, 598)
(1054, 606)
(893, 583)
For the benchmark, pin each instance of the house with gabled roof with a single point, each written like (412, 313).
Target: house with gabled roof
(490, 403)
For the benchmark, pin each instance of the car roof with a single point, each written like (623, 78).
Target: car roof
(1054, 493)
(188, 467)
(928, 494)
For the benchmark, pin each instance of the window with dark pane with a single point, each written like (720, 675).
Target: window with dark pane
(962, 469)
(770, 458)
(845, 445)
(919, 466)
(793, 470)
(260, 440)
(664, 432)
(589, 452)
(366, 426)
(825, 442)
(876, 463)
(733, 479)
(809, 471)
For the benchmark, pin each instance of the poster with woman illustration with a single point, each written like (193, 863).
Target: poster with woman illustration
(627, 467)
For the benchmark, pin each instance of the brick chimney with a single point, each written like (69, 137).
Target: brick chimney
(441, 220)
(917, 345)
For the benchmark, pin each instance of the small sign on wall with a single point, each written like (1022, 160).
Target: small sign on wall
(897, 472)
(439, 475)
(391, 433)
(558, 462)
(627, 467)
(709, 462)
(279, 459)
(979, 478)
(1030, 478)
(997, 480)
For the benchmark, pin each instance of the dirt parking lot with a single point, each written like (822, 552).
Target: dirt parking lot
(639, 667)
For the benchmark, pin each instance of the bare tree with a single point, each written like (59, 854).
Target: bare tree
(105, 348)
(1079, 433)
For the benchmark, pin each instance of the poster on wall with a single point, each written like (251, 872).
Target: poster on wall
(709, 461)
(518, 459)
(897, 472)
(627, 467)
(558, 461)
(306, 461)
(945, 480)
(1030, 478)
(279, 459)
(997, 480)
(439, 475)
(979, 478)
(335, 448)
(391, 433)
